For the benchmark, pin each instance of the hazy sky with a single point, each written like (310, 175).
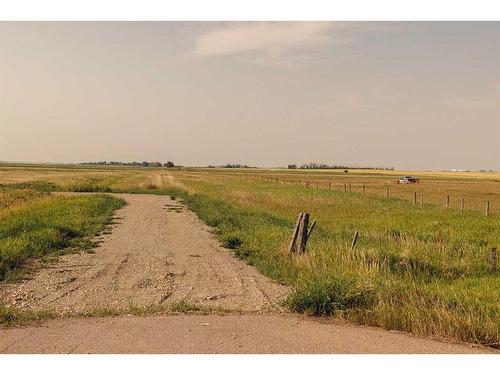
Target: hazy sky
(408, 95)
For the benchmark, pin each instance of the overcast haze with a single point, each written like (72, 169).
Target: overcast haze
(408, 95)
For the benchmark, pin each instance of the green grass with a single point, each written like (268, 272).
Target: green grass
(419, 269)
(40, 225)
(424, 269)
(184, 307)
(10, 316)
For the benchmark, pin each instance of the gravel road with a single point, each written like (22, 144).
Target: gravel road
(157, 253)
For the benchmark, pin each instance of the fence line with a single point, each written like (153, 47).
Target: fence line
(363, 189)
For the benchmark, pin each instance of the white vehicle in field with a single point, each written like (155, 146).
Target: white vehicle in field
(408, 180)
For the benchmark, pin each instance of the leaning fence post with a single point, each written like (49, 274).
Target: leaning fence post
(350, 187)
(354, 240)
(310, 230)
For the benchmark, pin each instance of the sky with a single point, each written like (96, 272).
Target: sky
(409, 95)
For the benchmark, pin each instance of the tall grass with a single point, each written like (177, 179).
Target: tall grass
(417, 269)
(34, 224)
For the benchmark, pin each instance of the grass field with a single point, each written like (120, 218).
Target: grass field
(34, 223)
(423, 269)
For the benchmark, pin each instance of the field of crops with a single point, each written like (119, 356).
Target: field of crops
(424, 269)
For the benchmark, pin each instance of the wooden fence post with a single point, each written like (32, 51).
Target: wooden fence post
(350, 187)
(354, 240)
(421, 197)
(301, 234)
(364, 189)
(345, 188)
(329, 185)
(302, 237)
(487, 212)
(387, 191)
(310, 230)
(447, 201)
(462, 205)
(494, 259)
(317, 185)
(291, 248)
(414, 197)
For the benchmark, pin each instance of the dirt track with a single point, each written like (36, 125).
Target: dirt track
(159, 253)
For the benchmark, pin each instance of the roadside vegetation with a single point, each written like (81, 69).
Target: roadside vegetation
(421, 269)
(35, 224)
(418, 269)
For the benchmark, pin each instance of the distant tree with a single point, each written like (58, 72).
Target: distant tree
(169, 164)
(229, 165)
(292, 166)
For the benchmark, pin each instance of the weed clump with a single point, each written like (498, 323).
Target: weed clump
(327, 296)
(231, 241)
(11, 316)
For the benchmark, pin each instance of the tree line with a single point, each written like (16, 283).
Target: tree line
(313, 165)
(155, 164)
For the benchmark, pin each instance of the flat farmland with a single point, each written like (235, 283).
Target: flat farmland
(425, 269)
(475, 188)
